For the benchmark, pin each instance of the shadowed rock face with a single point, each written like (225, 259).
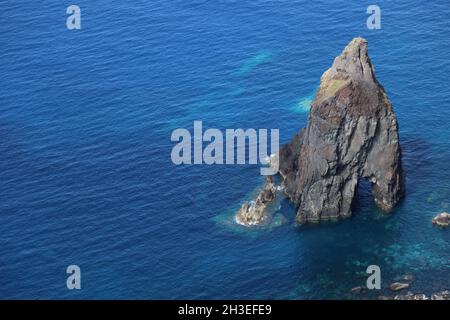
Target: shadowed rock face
(352, 133)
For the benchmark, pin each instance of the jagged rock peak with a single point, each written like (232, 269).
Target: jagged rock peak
(353, 62)
(351, 69)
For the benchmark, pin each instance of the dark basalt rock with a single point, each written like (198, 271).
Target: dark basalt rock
(352, 133)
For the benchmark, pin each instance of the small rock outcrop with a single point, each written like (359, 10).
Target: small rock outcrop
(442, 219)
(255, 213)
(444, 295)
(352, 133)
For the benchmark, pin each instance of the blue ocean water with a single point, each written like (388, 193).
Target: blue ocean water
(85, 171)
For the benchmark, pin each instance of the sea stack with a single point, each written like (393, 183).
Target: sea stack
(351, 134)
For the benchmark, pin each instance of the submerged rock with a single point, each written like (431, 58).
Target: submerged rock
(408, 278)
(357, 290)
(255, 212)
(352, 133)
(279, 220)
(396, 286)
(442, 219)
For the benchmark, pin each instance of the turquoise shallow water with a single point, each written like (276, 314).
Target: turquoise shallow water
(85, 170)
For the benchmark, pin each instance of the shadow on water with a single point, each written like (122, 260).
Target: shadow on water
(416, 159)
(363, 198)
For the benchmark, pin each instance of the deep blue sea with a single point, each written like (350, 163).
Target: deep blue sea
(86, 176)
